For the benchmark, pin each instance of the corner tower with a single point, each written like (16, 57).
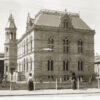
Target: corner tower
(10, 46)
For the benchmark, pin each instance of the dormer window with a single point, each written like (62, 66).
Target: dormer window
(65, 24)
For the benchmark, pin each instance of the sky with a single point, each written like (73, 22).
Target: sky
(89, 11)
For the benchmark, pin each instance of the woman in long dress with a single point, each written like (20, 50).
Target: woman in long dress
(30, 83)
(74, 81)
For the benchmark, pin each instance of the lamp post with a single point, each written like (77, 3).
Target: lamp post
(98, 77)
(10, 80)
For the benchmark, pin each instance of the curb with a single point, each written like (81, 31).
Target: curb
(39, 94)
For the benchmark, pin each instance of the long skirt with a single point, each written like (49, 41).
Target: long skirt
(30, 86)
(74, 85)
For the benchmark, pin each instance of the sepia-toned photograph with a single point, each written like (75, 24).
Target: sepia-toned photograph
(50, 49)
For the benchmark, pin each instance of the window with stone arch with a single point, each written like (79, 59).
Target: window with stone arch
(65, 65)
(19, 64)
(30, 64)
(24, 65)
(27, 45)
(11, 36)
(66, 45)
(66, 21)
(51, 44)
(24, 46)
(80, 65)
(50, 65)
(80, 46)
(65, 24)
(22, 49)
(31, 42)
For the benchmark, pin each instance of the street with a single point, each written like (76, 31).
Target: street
(93, 96)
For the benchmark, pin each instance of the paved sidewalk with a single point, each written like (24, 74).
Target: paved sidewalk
(47, 92)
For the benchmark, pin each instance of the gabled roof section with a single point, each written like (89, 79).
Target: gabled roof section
(29, 22)
(53, 19)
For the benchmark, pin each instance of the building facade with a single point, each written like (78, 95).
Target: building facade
(25, 54)
(55, 45)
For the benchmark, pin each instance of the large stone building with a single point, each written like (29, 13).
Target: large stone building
(54, 45)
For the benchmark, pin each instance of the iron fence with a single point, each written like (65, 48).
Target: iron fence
(23, 85)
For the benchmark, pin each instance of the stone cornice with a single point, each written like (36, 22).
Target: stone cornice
(60, 29)
(54, 29)
(25, 34)
(14, 29)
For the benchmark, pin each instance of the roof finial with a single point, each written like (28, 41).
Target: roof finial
(11, 23)
(65, 10)
(79, 13)
(28, 14)
(10, 17)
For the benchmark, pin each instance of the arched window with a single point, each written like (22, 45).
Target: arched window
(24, 46)
(31, 64)
(51, 44)
(19, 67)
(50, 65)
(80, 65)
(31, 41)
(11, 35)
(66, 46)
(80, 46)
(24, 65)
(65, 65)
(65, 24)
(27, 45)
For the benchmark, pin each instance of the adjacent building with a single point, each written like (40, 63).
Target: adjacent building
(55, 45)
(1, 66)
(97, 65)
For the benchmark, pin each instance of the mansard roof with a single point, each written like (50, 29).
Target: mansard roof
(53, 19)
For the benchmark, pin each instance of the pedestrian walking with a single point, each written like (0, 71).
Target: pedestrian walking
(30, 83)
(74, 81)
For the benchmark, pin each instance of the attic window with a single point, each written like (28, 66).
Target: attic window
(65, 24)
